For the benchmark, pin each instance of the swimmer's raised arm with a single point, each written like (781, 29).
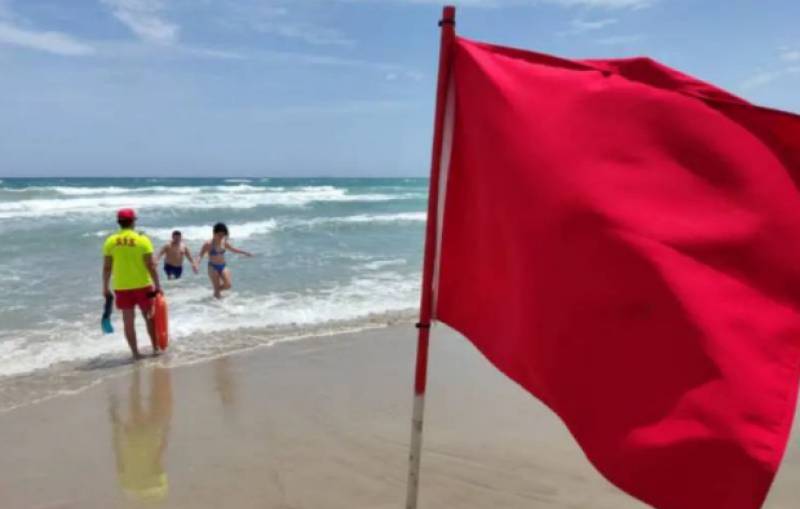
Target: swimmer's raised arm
(237, 251)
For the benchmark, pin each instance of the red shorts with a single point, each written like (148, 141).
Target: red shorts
(128, 299)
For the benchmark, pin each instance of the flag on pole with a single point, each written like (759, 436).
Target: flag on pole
(623, 241)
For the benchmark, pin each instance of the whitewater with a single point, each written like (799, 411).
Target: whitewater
(331, 255)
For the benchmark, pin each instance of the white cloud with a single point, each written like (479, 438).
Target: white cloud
(143, 18)
(608, 4)
(406, 75)
(308, 33)
(51, 42)
(214, 53)
(580, 26)
(293, 58)
(763, 78)
(340, 108)
(275, 17)
(615, 40)
(604, 4)
(790, 55)
(584, 26)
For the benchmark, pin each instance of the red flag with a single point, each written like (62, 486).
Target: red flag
(623, 241)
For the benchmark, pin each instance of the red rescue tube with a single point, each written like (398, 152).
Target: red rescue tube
(161, 321)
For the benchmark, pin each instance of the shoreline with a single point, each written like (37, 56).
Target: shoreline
(72, 377)
(308, 424)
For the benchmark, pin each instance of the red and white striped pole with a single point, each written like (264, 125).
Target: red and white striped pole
(447, 24)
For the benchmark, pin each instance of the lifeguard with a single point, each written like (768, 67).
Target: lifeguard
(128, 257)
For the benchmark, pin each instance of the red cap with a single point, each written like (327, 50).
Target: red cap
(126, 214)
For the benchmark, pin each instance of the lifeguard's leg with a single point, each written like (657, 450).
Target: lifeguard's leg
(129, 319)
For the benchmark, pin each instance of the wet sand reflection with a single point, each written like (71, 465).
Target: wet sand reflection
(140, 436)
(224, 384)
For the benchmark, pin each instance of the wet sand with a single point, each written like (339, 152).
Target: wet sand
(317, 423)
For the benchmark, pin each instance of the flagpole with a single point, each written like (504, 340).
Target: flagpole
(447, 23)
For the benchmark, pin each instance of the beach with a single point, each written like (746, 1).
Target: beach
(331, 255)
(227, 225)
(321, 422)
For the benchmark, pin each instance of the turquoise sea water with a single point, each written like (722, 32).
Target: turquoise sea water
(331, 254)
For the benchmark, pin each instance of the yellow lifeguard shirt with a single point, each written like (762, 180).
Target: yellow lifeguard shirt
(127, 248)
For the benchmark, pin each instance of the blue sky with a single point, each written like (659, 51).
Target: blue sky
(318, 87)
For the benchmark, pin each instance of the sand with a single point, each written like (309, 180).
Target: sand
(317, 423)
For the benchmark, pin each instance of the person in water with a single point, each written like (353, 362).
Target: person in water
(128, 257)
(174, 252)
(218, 273)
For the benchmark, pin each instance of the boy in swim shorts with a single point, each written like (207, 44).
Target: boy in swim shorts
(174, 253)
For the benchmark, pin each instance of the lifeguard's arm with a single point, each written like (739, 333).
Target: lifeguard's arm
(150, 263)
(107, 265)
(237, 251)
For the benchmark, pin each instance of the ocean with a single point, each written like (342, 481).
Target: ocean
(332, 255)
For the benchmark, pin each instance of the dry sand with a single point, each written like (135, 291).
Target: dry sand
(318, 423)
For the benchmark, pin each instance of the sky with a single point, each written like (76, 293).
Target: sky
(130, 88)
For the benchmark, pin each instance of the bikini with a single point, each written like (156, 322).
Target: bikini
(219, 267)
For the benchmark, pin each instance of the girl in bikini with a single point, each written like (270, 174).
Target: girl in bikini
(219, 275)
